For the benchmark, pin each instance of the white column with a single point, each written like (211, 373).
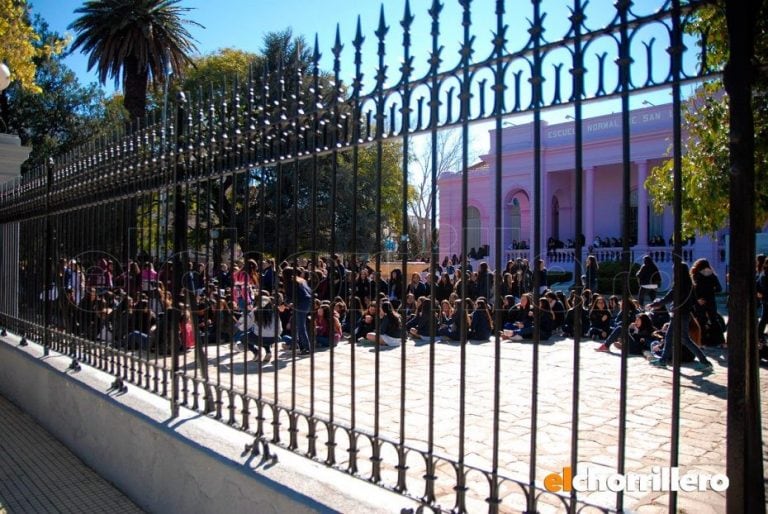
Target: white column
(642, 204)
(589, 208)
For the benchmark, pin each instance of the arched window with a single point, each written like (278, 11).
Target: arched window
(555, 232)
(473, 228)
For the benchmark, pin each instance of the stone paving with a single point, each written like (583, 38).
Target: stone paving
(39, 475)
(386, 374)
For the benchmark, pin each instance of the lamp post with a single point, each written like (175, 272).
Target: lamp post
(5, 81)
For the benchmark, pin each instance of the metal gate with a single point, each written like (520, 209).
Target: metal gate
(292, 167)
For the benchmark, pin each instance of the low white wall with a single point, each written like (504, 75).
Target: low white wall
(188, 464)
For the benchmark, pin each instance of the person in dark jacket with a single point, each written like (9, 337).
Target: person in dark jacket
(683, 312)
(649, 279)
(416, 287)
(443, 288)
(591, 271)
(484, 285)
(546, 322)
(540, 275)
(395, 286)
(705, 286)
(390, 326)
(453, 326)
(420, 325)
(599, 319)
(642, 335)
(557, 308)
(298, 295)
(481, 324)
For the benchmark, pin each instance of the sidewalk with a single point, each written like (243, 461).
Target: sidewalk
(38, 474)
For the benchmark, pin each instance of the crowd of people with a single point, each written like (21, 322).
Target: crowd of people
(307, 306)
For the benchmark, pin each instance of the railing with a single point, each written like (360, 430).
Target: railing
(659, 254)
(293, 165)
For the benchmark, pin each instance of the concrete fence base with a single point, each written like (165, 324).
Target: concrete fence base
(186, 464)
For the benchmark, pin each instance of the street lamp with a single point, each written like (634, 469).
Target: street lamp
(5, 81)
(5, 77)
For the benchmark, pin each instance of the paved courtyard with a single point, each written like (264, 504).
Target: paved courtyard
(648, 426)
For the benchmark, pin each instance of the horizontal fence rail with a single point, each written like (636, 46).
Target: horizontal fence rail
(151, 252)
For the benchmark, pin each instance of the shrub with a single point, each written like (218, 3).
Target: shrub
(611, 276)
(554, 277)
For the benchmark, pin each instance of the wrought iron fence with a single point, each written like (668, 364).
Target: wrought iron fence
(291, 166)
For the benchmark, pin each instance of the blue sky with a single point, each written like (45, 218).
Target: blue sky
(243, 24)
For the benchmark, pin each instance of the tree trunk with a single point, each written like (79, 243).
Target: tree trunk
(134, 89)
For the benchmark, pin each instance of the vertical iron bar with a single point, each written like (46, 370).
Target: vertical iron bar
(466, 55)
(494, 499)
(577, 20)
(406, 69)
(312, 421)
(744, 434)
(381, 77)
(677, 209)
(434, 114)
(624, 63)
(47, 258)
(536, 80)
(179, 247)
(333, 270)
(356, 137)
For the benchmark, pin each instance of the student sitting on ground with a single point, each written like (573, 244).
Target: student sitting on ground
(599, 319)
(481, 323)
(419, 325)
(453, 327)
(522, 331)
(390, 327)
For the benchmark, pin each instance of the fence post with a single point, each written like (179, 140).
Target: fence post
(47, 258)
(179, 247)
(744, 464)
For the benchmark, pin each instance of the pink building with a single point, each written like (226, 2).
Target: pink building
(651, 137)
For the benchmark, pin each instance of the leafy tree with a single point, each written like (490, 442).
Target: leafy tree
(705, 161)
(136, 41)
(287, 57)
(22, 44)
(60, 114)
(209, 70)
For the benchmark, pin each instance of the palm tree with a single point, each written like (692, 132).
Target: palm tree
(136, 41)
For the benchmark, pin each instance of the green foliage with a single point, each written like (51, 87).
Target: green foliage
(554, 277)
(705, 161)
(611, 276)
(212, 69)
(114, 115)
(62, 116)
(297, 212)
(705, 164)
(23, 46)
